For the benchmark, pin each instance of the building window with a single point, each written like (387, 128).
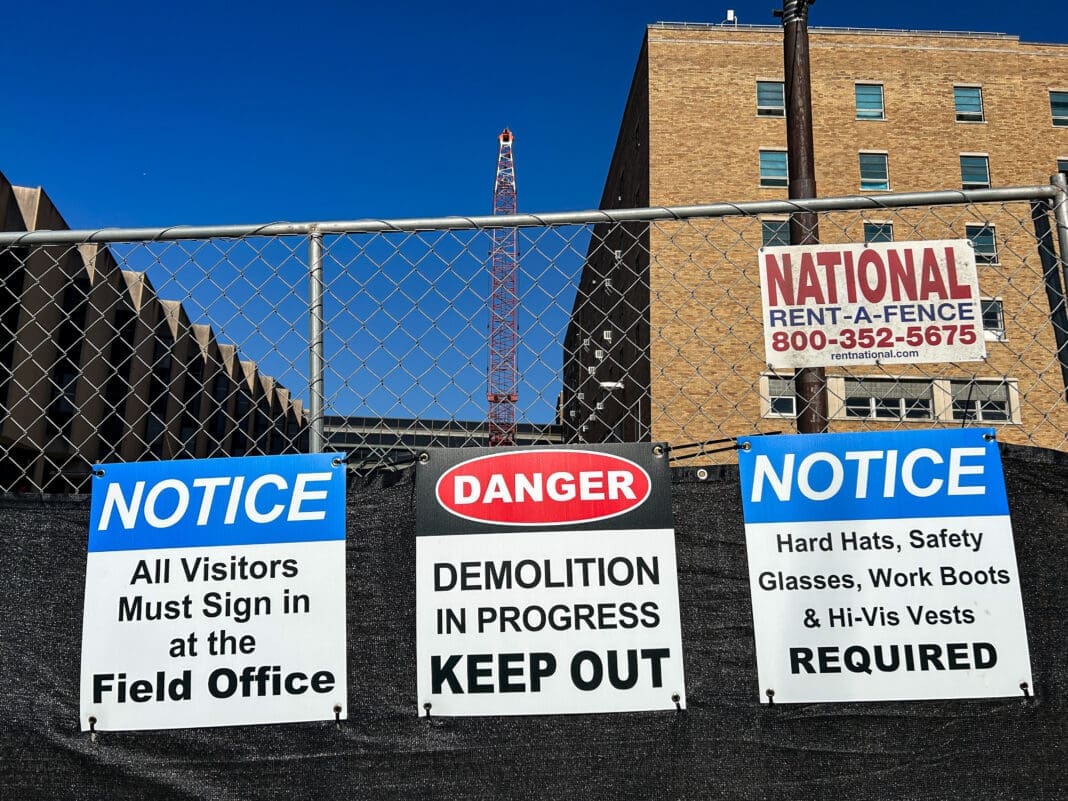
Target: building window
(869, 101)
(1062, 166)
(974, 172)
(883, 399)
(774, 233)
(874, 172)
(770, 99)
(782, 402)
(993, 319)
(220, 388)
(985, 242)
(968, 101)
(773, 168)
(161, 358)
(1058, 107)
(878, 232)
(981, 401)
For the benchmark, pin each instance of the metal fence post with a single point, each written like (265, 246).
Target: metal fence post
(1052, 272)
(316, 436)
(1060, 214)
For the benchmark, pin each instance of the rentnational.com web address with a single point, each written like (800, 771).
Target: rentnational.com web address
(845, 356)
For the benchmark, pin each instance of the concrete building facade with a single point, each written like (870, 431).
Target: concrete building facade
(94, 367)
(666, 340)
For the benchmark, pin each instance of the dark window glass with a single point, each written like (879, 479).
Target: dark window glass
(773, 168)
(770, 99)
(974, 172)
(1058, 106)
(968, 101)
(869, 101)
(774, 232)
(985, 242)
(878, 232)
(874, 172)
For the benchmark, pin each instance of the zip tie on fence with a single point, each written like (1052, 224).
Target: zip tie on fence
(770, 693)
(705, 451)
(92, 728)
(677, 700)
(1026, 689)
(702, 446)
(426, 708)
(337, 716)
(396, 464)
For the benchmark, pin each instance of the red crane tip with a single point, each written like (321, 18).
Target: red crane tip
(506, 136)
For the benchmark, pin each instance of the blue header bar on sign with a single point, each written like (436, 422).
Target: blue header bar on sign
(204, 502)
(870, 476)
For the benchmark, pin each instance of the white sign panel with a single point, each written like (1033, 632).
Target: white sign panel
(888, 302)
(215, 594)
(541, 617)
(882, 567)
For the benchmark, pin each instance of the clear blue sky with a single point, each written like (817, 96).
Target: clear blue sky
(135, 113)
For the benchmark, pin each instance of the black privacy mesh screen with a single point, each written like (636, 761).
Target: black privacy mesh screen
(724, 745)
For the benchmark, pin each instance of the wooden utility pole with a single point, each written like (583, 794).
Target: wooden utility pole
(810, 383)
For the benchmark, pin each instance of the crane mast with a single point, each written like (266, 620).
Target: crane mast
(503, 389)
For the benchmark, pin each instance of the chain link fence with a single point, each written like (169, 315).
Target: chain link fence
(371, 337)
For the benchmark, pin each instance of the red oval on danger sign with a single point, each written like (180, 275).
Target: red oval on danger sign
(543, 487)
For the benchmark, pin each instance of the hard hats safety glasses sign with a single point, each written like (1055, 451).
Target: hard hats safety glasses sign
(546, 582)
(882, 567)
(215, 593)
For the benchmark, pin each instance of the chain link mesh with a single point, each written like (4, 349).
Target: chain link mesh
(645, 325)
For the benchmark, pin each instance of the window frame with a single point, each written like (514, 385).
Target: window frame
(883, 226)
(979, 417)
(975, 184)
(874, 404)
(769, 396)
(1058, 121)
(869, 117)
(1062, 165)
(969, 116)
(770, 110)
(771, 182)
(992, 334)
(885, 187)
(982, 257)
(782, 223)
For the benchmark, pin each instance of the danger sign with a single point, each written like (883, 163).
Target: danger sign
(546, 582)
(887, 302)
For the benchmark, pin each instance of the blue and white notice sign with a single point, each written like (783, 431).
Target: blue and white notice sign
(882, 567)
(215, 593)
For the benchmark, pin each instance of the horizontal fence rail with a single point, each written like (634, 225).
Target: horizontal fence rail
(371, 337)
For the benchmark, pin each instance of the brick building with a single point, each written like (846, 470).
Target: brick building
(666, 340)
(94, 367)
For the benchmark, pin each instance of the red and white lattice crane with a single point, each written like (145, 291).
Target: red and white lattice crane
(503, 385)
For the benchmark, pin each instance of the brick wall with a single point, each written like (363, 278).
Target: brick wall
(701, 145)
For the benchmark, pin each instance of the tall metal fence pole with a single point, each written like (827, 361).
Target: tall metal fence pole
(810, 383)
(1060, 214)
(315, 342)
